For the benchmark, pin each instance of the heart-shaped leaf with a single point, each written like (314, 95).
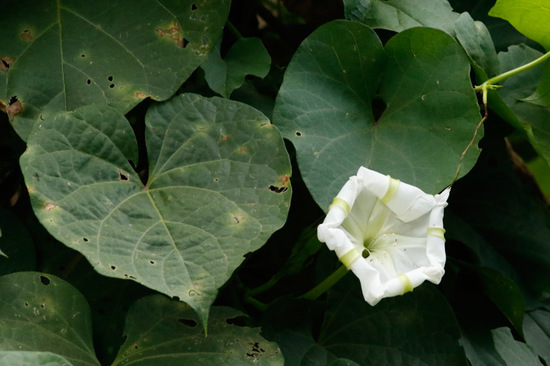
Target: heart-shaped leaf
(60, 55)
(218, 187)
(161, 331)
(325, 107)
(40, 312)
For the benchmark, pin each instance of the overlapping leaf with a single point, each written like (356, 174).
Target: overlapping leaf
(40, 312)
(510, 222)
(325, 107)
(160, 331)
(534, 118)
(398, 15)
(247, 56)
(530, 17)
(218, 187)
(60, 55)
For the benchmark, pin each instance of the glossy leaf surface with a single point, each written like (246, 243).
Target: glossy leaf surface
(60, 55)
(218, 187)
(327, 107)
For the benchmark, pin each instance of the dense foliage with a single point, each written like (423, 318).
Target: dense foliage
(165, 165)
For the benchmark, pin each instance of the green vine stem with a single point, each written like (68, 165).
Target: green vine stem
(326, 284)
(233, 30)
(491, 84)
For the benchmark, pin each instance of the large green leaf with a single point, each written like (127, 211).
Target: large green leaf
(325, 107)
(530, 17)
(218, 187)
(60, 55)
(40, 312)
(160, 331)
(534, 118)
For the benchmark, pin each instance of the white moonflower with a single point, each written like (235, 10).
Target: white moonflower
(390, 234)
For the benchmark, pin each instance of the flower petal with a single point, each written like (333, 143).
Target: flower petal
(398, 225)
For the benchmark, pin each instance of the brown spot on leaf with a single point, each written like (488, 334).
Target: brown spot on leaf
(50, 206)
(6, 62)
(13, 108)
(141, 95)
(224, 138)
(284, 179)
(173, 31)
(26, 35)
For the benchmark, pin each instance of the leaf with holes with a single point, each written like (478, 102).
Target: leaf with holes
(40, 312)
(335, 87)
(161, 331)
(218, 187)
(63, 55)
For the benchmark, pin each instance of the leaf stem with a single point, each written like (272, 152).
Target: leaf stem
(256, 303)
(491, 83)
(233, 30)
(263, 288)
(326, 284)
